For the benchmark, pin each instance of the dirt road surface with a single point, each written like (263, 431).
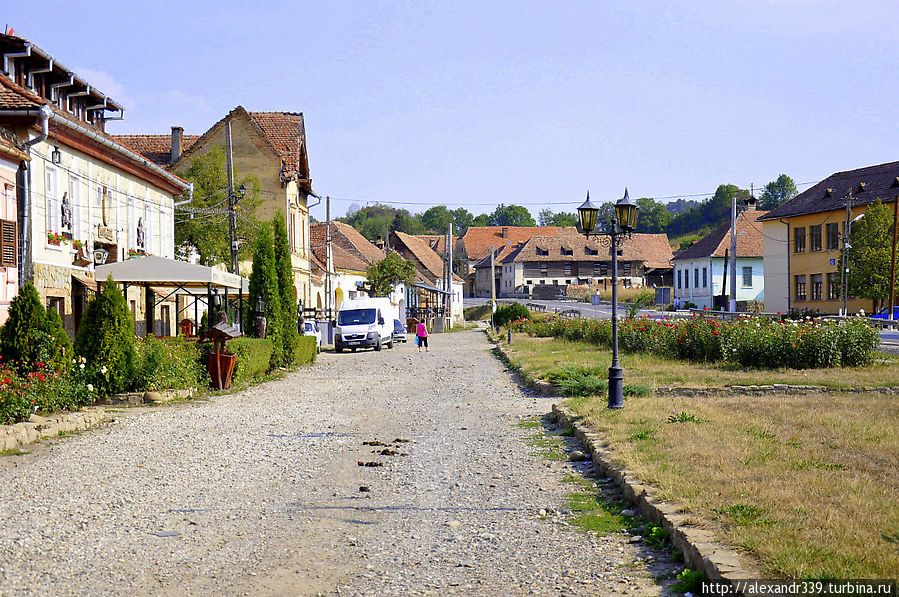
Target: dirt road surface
(300, 487)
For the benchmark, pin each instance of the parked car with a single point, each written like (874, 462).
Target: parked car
(310, 328)
(885, 313)
(399, 331)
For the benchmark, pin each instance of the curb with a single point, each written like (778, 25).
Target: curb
(38, 428)
(699, 547)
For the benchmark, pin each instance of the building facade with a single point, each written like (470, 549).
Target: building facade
(807, 234)
(11, 155)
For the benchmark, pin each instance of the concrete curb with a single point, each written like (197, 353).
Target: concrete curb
(701, 551)
(38, 428)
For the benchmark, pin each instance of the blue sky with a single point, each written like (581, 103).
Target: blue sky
(480, 103)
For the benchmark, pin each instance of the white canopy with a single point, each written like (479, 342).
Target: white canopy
(159, 271)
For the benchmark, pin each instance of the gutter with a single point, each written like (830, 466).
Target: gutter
(7, 57)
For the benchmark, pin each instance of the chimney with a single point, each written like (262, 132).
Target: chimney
(505, 232)
(177, 133)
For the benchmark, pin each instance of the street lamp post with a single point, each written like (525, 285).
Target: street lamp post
(623, 223)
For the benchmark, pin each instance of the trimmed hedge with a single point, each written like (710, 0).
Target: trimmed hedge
(306, 351)
(253, 358)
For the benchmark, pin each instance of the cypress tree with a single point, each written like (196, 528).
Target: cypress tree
(25, 339)
(286, 290)
(106, 340)
(264, 283)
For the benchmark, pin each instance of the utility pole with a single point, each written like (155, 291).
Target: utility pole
(492, 288)
(844, 269)
(232, 214)
(732, 304)
(449, 276)
(893, 258)
(328, 258)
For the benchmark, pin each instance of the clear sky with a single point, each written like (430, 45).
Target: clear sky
(480, 103)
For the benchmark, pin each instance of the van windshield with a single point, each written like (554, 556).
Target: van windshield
(356, 317)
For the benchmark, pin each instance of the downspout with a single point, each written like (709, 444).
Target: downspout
(25, 273)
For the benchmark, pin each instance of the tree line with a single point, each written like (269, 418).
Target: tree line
(675, 218)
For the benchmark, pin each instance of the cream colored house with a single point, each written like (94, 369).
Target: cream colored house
(268, 145)
(85, 197)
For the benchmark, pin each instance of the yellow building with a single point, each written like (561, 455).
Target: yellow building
(268, 145)
(804, 238)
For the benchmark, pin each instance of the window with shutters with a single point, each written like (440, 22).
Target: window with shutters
(9, 247)
(52, 202)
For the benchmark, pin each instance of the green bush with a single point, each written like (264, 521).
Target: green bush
(106, 340)
(166, 364)
(509, 313)
(30, 336)
(253, 358)
(306, 351)
(42, 390)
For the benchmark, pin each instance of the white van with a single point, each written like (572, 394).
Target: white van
(364, 323)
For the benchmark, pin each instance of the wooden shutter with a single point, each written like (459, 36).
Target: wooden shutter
(9, 246)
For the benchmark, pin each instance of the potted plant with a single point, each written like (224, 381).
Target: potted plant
(54, 238)
(82, 253)
(136, 252)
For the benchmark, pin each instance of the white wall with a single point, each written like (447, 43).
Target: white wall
(777, 246)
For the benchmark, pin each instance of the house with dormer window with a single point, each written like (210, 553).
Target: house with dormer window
(84, 198)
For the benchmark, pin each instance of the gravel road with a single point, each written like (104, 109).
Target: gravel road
(262, 493)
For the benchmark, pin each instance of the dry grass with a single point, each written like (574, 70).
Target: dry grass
(806, 484)
(542, 355)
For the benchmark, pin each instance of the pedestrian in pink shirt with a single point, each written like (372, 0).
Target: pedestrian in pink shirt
(422, 333)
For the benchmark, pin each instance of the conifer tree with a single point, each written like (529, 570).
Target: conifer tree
(264, 283)
(106, 340)
(287, 292)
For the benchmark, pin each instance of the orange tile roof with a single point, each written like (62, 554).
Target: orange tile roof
(436, 241)
(476, 242)
(431, 262)
(340, 257)
(750, 240)
(156, 148)
(286, 132)
(11, 146)
(13, 97)
(651, 249)
(347, 238)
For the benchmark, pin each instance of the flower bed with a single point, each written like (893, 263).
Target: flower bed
(747, 341)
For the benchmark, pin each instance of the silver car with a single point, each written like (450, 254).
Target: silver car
(310, 328)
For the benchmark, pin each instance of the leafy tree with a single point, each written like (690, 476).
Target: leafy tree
(25, 338)
(777, 192)
(710, 213)
(436, 219)
(203, 225)
(481, 220)
(384, 275)
(287, 292)
(681, 205)
(106, 340)
(547, 217)
(511, 215)
(403, 221)
(264, 283)
(653, 216)
(377, 220)
(870, 254)
(462, 220)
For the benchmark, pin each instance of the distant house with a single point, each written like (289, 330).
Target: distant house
(430, 287)
(572, 259)
(475, 245)
(84, 197)
(699, 270)
(269, 145)
(803, 239)
(11, 155)
(351, 254)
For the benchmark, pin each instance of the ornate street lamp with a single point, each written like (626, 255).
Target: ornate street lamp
(623, 223)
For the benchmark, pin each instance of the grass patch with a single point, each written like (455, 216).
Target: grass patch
(804, 483)
(592, 512)
(62, 433)
(14, 452)
(461, 328)
(479, 313)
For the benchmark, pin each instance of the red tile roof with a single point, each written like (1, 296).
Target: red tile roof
(750, 241)
(13, 97)
(347, 238)
(436, 241)
(652, 250)
(156, 148)
(431, 263)
(286, 132)
(477, 241)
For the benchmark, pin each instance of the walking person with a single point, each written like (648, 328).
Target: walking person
(422, 333)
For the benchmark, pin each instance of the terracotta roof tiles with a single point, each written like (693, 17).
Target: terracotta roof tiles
(750, 241)
(156, 148)
(431, 262)
(651, 249)
(476, 242)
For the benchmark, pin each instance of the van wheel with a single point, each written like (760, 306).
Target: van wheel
(338, 348)
(378, 344)
(390, 344)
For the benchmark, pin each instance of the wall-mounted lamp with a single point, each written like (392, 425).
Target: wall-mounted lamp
(100, 255)
(55, 155)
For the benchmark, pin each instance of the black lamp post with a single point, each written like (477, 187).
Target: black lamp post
(623, 223)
